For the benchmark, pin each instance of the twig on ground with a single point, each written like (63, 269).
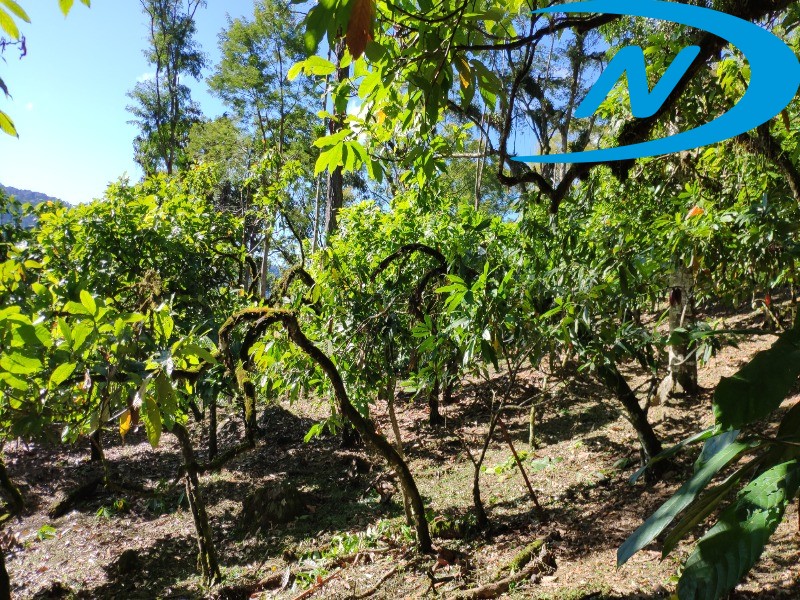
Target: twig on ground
(544, 563)
(365, 594)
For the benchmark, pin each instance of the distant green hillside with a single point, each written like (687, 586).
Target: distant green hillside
(25, 197)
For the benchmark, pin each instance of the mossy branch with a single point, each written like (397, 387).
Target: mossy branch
(262, 318)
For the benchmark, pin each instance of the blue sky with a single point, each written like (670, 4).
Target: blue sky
(69, 93)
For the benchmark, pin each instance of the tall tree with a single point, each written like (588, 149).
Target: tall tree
(335, 199)
(163, 107)
(251, 79)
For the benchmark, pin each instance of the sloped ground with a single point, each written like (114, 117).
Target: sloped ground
(347, 542)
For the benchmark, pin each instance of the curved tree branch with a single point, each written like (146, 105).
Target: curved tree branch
(265, 317)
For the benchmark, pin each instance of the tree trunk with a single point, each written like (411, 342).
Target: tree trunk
(481, 519)
(682, 376)
(198, 415)
(207, 557)
(350, 437)
(614, 381)
(264, 282)
(5, 581)
(449, 382)
(96, 442)
(435, 418)
(335, 198)
(367, 431)
(212, 429)
(10, 492)
(249, 392)
(398, 440)
(315, 231)
(264, 318)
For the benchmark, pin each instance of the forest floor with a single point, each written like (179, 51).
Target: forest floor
(347, 543)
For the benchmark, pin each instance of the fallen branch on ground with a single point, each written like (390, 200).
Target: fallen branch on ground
(544, 563)
(377, 586)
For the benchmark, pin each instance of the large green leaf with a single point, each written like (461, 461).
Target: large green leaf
(166, 395)
(714, 445)
(704, 506)
(88, 302)
(74, 308)
(760, 386)
(66, 5)
(16, 9)
(670, 452)
(151, 415)
(61, 373)
(19, 364)
(8, 25)
(667, 512)
(730, 549)
(14, 382)
(196, 351)
(32, 336)
(7, 125)
(82, 330)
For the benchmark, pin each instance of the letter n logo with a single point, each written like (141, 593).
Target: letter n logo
(644, 103)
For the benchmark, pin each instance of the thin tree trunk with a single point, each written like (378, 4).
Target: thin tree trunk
(264, 318)
(212, 429)
(207, 556)
(682, 376)
(398, 441)
(521, 467)
(263, 284)
(96, 442)
(198, 415)
(367, 431)
(249, 392)
(480, 163)
(614, 381)
(435, 418)
(5, 581)
(481, 519)
(335, 178)
(10, 491)
(449, 382)
(315, 233)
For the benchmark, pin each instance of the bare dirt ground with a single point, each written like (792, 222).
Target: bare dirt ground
(347, 543)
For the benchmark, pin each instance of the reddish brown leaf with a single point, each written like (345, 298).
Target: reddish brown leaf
(359, 30)
(695, 212)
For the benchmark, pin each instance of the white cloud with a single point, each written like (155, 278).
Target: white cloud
(29, 106)
(145, 77)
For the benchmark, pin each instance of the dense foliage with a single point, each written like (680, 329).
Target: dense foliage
(235, 273)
